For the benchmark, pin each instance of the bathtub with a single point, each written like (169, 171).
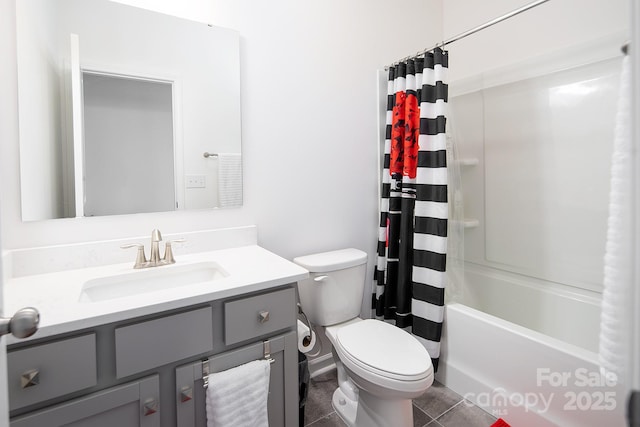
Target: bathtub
(525, 351)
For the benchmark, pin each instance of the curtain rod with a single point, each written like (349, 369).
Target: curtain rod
(474, 30)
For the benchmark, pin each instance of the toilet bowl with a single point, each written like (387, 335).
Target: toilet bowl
(380, 367)
(387, 366)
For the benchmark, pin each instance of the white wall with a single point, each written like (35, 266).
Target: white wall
(308, 82)
(309, 97)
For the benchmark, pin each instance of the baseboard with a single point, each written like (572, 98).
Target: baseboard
(321, 364)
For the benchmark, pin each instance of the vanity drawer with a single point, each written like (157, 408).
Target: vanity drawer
(251, 317)
(157, 342)
(57, 368)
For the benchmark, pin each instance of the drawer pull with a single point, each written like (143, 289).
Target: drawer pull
(186, 394)
(150, 407)
(30, 378)
(263, 316)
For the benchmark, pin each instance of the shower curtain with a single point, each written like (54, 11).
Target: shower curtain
(411, 270)
(615, 317)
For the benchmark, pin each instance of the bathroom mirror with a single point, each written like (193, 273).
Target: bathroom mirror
(118, 106)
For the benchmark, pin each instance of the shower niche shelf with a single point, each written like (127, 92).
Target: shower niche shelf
(468, 161)
(470, 223)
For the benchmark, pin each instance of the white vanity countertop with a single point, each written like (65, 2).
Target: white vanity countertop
(57, 295)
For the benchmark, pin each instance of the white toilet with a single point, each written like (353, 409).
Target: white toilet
(380, 367)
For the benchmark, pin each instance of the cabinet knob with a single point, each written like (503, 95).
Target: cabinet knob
(150, 407)
(263, 316)
(30, 378)
(186, 394)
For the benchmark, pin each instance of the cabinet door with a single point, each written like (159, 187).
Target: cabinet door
(283, 382)
(130, 405)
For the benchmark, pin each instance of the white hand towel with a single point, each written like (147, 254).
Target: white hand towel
(238, 397)
(229, 179)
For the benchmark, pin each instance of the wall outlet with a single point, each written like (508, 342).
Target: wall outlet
(195, 181)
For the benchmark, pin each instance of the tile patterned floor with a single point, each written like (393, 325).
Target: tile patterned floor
(438, 407)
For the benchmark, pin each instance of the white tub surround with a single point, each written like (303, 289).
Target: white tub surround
(522, 340)
(51, 279)
(525, 377)
(563, 312)
(525, 350)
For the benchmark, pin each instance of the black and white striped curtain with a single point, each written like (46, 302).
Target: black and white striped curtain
(411, 271)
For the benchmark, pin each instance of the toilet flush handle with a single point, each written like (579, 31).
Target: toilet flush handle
(320, 279)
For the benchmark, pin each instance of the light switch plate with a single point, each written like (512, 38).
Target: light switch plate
(195, 181)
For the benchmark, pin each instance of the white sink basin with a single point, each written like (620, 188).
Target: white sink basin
(149, 280)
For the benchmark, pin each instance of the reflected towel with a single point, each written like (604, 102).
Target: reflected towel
(615, 320)
(238, 397)
(230, 179)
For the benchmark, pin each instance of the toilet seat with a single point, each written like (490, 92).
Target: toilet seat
(382, 354)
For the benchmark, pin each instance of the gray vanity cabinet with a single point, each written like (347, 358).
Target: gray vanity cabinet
(148, 371)
(130, 405)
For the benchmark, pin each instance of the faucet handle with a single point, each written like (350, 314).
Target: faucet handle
(141, 258)
(168, 252)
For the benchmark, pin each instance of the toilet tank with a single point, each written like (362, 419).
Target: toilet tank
(333, 292)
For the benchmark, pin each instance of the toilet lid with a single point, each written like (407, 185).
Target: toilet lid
(385, 348)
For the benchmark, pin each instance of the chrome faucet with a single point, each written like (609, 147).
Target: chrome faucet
(154, 259)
